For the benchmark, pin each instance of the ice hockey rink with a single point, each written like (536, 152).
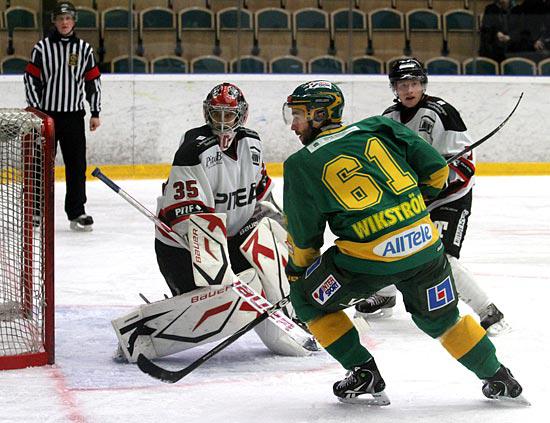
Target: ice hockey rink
(99, 276)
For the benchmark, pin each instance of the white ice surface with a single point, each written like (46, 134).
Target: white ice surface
(99, 276)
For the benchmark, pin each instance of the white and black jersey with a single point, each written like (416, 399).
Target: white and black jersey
(205, 179)
(60, 71)
(440, 124)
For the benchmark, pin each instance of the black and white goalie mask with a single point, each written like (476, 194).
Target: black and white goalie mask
(225, 109)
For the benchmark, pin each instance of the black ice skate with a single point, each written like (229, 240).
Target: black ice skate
(503, 386)
(492, 320)
(376, 306)
(82, 223)
(361, 380)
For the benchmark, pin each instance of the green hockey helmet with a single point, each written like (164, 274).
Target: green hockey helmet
(321, 102)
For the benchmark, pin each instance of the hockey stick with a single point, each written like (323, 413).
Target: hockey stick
(172, 376)
(486, 137)
(244, 291)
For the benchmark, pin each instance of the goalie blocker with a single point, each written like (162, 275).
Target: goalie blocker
(214, 311)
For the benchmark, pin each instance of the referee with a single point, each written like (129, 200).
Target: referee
(61, 70)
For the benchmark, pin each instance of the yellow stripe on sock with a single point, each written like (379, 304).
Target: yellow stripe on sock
(330, 328)
(462, 337)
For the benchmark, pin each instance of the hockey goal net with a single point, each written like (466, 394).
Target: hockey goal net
(26, 238)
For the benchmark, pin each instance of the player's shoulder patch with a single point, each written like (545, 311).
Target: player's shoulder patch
(195, 142)
(243, 132)
(450, 118)
(390, 109)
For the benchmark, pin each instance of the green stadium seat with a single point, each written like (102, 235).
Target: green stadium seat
(544, 67)
(168, 64)
(20, 18)
(326, 64)
(340, 34)
(386, 32)
(115, 36)
(121, 64)
(287, 64)
(208, 64)
(367, 65)
(311, 35)
(442, 66)
(480, 66)
(459, 34)
(87, 26)
(157, 32)
(13, 65)
(423, 36)
(272, 32)
(234, 33)
(248, 64)
(196, 33)
(518, 66)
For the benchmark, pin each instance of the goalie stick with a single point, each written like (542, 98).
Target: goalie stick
(244, 291)
(486, 137)
(172, 376)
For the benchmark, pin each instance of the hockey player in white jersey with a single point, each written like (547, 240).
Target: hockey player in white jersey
(440, 124)
(218, 168)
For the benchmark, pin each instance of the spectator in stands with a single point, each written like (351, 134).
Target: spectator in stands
(495, 30)
(61, 72)
(530, 29)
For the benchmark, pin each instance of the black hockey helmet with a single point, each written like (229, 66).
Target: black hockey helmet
(64, 8)
(407, 68)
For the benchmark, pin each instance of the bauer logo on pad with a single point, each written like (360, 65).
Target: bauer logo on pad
(440, 295)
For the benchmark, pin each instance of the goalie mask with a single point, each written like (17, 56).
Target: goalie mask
(225, 109)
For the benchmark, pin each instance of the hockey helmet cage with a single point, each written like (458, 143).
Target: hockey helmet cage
(64, 8)
(225, 109)
(321, 101)
(407, 68)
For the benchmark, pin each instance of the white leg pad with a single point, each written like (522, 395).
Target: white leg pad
(266, 251)
(468, 289)
(185, 321)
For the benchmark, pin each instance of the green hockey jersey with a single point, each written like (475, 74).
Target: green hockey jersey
(366, 180)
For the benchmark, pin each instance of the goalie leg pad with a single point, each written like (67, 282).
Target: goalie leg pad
(265, 249)
(176, 324)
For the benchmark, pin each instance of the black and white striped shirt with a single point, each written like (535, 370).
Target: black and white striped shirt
(60, 71)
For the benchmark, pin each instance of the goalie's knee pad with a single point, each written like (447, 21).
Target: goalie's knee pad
(266, 251)
(185, 321)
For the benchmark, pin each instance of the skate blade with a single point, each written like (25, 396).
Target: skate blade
(519, 400)
(379, 399)
(383, 313)
(499, 328)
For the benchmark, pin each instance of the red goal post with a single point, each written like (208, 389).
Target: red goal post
(27, 157)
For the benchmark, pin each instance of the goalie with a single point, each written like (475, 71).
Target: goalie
(218, 168)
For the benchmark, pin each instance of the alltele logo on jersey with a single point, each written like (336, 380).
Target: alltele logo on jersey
(440, 295)
(326, 290)
(405, 243)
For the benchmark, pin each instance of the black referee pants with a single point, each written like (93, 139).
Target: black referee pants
(71, 137)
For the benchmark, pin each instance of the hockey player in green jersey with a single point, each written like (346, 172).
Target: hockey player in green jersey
(368, 181)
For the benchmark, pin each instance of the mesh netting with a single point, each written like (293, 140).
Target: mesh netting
(21, 233)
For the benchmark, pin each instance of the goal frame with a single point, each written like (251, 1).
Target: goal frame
(47, 356)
